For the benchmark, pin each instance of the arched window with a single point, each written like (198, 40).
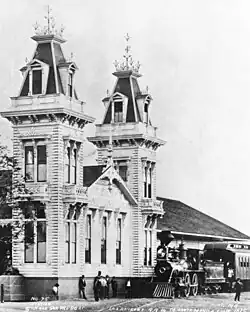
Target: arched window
(67, 239)
(118, 241)
(70, 235)
(67, 165)
(74, 166)
(145, 113)
(148, 243)
(70, 84)
(145, 176)
(104, 241)
(149, 179)
(73, 238)
(88, 240)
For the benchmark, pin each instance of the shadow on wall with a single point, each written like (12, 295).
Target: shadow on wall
(41, 287)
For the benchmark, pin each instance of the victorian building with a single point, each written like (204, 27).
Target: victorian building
(82, 218)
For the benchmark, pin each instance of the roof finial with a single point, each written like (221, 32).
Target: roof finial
(128, 64)
(49, 29)
(127, 37)
(49, 18)
(127, 56)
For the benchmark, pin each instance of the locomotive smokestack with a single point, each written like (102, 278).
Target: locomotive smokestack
(165, 237)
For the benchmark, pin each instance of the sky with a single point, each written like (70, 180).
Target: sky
(195, 57)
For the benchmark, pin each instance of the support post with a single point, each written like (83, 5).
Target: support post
(2, 293)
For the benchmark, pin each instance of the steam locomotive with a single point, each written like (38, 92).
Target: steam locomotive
(212, 270)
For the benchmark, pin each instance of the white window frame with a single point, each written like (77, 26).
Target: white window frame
(88, 236)
(119, 239)
(35, 220)
(71, 221)
(72, 147)
(117, 97)
(32, 66)
(35, 144)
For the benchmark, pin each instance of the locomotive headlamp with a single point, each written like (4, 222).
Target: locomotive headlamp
(161, 252)
(162, 270)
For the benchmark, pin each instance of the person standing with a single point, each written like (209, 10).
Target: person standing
(97, 286)
(55, 289)
(128, 289)
(238, 287)
(114, 287)
(103, 287)
(107, 287)
(230, 275)
(82, 285)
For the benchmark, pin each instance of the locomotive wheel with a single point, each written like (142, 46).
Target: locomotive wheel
(187, 282)
(195, 285)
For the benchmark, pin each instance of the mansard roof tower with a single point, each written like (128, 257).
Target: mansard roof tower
(48, 122)
(127, 123)
(48, 88)
(127, 130)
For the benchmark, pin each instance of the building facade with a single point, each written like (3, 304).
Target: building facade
(82, 224)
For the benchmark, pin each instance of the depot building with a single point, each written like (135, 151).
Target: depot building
(88, 218)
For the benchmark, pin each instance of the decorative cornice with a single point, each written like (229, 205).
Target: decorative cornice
(133, 139)
(52, 114)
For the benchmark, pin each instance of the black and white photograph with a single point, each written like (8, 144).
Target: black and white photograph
(125, 155)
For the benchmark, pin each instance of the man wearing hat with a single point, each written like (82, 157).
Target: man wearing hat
(82, 285)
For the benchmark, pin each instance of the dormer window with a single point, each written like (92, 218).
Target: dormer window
(118, 112)
(36, 78)
(70, 85)
(145, 113)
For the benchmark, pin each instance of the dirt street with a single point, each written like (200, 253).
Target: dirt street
(207, 303)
